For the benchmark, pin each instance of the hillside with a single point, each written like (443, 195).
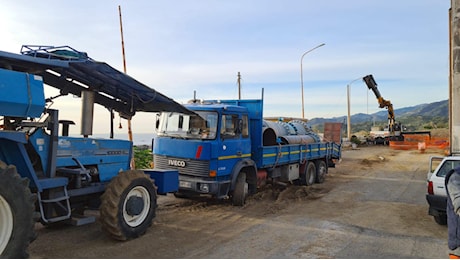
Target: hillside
(420, 117)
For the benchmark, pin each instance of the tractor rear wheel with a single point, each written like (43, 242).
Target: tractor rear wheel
(17, 206)
(128, 205)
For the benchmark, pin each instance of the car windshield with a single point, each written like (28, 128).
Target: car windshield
(446, 167)
(200, 126)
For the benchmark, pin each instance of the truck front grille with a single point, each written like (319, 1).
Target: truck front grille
(191, 167)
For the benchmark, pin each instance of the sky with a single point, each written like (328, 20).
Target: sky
(179, 46)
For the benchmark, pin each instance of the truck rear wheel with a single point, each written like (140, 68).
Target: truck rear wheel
(308, 176)
(17, 206)
(240, 192)
(128, 205)
(321, 171)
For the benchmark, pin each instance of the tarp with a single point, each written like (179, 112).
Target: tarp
(72, 72)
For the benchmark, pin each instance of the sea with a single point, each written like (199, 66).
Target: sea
(138, 138)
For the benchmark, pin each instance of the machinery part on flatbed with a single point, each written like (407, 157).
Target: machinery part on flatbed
(17, 206)
(321, 171)
(294, 132)
(280, 128)
(299, 139)
(268, 136)
(308, 176)
(240, 193)
(128, 205)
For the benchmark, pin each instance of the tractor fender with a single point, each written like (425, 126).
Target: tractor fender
(250, 169)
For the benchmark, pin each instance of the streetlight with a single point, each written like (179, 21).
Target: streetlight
(301, 74)
(348, 105)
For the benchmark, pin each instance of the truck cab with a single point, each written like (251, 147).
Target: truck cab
(208, 148)
(227, 149)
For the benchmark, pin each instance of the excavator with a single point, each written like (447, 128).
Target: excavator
(394, 128)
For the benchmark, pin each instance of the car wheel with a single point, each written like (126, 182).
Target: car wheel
(441, 219)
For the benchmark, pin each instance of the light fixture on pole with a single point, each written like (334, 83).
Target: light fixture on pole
(301, 75)
(348, 106)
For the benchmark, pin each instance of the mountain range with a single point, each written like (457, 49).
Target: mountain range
(419, 117)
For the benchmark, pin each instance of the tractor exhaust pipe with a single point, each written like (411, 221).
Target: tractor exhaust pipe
(87, 112)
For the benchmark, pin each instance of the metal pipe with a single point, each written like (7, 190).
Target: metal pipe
(87, 112)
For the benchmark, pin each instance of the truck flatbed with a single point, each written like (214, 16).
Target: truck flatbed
(276, 155)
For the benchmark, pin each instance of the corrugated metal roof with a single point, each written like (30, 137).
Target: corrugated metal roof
(72, 72)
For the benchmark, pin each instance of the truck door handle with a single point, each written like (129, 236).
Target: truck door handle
(239, 153)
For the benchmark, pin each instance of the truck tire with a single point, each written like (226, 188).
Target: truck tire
(17, 207)
(240, 192)
(308, 176)
(128, 205)
(321, 171)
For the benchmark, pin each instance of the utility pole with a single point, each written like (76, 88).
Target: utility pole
(130, 133)
(239, 85)
(454, 77)
(348, 109)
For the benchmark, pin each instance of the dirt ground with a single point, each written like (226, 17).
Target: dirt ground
(372, 205)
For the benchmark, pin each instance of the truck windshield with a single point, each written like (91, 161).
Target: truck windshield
(201, 126)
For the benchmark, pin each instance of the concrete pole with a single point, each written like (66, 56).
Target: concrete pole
(348, 109)
(349, 116)
(454, 79)
(239, 85)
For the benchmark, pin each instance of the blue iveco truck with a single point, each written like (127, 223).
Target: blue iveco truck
(227, 149)
(49, 176)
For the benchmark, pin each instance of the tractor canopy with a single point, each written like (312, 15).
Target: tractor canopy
(72, 72)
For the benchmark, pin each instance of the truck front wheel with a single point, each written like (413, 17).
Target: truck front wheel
(128, 205)
(17, 206)
(240, 192)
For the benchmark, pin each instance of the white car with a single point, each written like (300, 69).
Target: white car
(436, 190)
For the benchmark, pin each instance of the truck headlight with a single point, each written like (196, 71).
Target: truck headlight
(204, 187)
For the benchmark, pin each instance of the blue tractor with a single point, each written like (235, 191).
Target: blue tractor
(49, 176)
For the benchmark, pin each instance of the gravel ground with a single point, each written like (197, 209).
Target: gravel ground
(372, 205)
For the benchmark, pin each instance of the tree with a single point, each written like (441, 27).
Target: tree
(143, 157)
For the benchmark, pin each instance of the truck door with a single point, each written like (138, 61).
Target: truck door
(235, 142)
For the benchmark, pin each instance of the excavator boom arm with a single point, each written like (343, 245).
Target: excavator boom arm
(372, 85)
